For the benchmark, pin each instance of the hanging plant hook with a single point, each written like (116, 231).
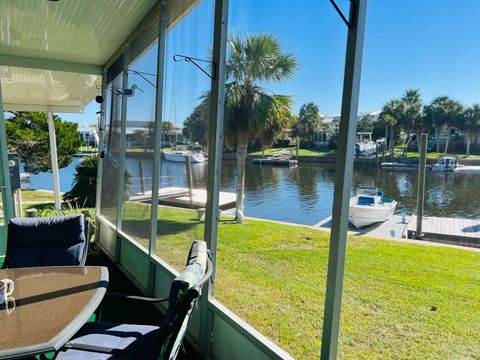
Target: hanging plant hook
(339, 11)
(193, 60)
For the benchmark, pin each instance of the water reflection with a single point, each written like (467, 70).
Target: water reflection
(304, 194)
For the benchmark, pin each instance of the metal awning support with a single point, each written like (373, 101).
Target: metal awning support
(212, 217)
(54, 160)
(157, 159)
(343, 179)
(5, 187)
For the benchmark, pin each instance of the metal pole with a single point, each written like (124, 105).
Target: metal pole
(123, 141)
(141, 176)
(422, 161)
(343, 179)
(215, 146)
(157, 154)
(101, 144)
(188, 165)
(5, 186)
(54, 160)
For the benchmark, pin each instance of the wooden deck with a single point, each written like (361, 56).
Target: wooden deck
(465, 232)
(183, 197)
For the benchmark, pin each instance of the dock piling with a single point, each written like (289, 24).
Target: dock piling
(421, 184)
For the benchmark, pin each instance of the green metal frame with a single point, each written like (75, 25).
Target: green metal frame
(101, 142)
(122, 150)
(157, 153)
(215, 144)
(157, 160)
(343, 179)
(5, 186)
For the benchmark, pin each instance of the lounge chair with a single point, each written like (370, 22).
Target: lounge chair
(46, 241)
(127, 342)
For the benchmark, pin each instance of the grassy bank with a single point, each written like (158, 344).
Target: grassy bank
(273, 276)
(302, 152)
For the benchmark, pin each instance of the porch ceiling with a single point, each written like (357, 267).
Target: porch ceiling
(52, 52)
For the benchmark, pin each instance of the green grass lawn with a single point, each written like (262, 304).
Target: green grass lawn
(302, 152)
(273, 276)
(29, 195)
(434, 155)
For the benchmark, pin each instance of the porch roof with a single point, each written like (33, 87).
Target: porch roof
(52, 53)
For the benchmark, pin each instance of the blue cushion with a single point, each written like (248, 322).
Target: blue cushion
(52, 241)
(135, 340)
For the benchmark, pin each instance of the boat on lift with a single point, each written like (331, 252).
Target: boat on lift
(449, 163)
(181, 153)
(365, 146)
(369, 206)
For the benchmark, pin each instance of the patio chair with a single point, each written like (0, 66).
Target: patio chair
(46, 241)
(125, 341)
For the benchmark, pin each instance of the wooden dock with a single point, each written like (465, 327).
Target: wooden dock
(392, 228)
(186, 198)
(285, 162)
(463, 232)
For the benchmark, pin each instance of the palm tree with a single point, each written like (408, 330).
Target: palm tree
(250, 110)
(307, 123)
(84, 187)
(390, 116)
(471, 125)
(453, 117)
(411, 116)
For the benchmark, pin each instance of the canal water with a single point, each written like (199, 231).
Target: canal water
(304, 194)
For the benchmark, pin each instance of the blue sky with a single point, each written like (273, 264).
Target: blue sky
(432, 46)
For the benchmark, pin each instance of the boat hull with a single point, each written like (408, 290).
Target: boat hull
(364, 215)
(182, 157)
(468, 169)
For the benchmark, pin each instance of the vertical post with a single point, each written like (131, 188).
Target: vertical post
(343, 179)
(188, 165)
(101, 144)
(141, 176)
(5, 186)
(214, 162)
(123, 141)
(54, 160)
(422, 161)
(157, 155)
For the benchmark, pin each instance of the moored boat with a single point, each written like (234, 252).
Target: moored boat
(182, 155)
(449, 163)
(369, 206)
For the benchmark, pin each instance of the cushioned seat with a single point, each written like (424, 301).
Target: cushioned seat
(46, 241)
(118, 339)
(122, 341)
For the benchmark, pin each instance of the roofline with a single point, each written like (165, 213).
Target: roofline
(53, 65)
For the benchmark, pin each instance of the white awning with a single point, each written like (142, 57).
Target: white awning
(52, 52)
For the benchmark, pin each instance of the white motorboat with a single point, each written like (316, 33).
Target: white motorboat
(448, 163)
(365, 146)
(369, 206)
(25, 177)
(181, 156)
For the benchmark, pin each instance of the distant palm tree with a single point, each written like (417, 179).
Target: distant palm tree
(411, 117)
(250, 110)
(390, 116)
(471, 125)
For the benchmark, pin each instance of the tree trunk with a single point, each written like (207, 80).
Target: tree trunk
(438, 139)
(469, 140)
(392, 142)
(448, 140)
(242, 144)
